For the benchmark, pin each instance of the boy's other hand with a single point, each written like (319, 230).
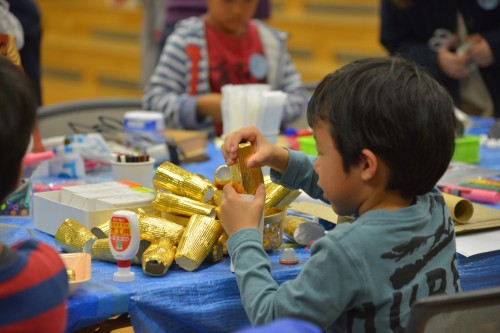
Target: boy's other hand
(233, 205)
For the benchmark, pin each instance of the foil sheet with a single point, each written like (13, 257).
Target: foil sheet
(202, 233)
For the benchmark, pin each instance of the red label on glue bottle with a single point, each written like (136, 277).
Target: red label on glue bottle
(124, 239)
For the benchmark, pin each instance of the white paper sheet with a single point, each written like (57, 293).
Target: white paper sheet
(470, 244)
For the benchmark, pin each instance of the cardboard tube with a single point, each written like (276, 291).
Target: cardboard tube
(461, 209)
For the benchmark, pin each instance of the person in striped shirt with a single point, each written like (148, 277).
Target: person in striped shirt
(225, 46)
(33, 278)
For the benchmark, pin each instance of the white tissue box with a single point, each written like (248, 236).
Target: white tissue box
(49, 212)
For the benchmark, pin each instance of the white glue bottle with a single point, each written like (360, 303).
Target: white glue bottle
(124, 239)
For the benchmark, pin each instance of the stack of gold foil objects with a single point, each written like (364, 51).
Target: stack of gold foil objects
(182, 223)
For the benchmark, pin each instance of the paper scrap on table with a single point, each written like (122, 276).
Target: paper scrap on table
(481, 242)
(320, 210)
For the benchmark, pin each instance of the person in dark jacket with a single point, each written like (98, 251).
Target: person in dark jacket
(457, 40)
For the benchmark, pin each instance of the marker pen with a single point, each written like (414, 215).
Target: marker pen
(480, 195)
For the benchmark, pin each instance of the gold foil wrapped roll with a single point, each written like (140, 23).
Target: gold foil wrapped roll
(148, 211)
(155, 228)
(178, 219)
(222, 240)
(101, 231)
(217, 199)
(71, 236)
(171, 203)
(291, 223)
(222, 176)
(158, 257)
(202, 233)
(216, 254)
(71, 274)
(101, 250)
(177, 180)
(274, 194)
(245, 180)
(288, 199)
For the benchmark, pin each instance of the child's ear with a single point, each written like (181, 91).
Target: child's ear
(369, 164)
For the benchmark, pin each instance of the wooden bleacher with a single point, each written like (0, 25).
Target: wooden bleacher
(91, 50)
(326, 34)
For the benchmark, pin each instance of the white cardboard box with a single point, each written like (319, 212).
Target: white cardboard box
(49, 213)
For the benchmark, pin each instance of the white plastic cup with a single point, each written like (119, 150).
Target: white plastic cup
(137, 172)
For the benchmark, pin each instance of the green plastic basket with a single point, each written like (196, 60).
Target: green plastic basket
(307, 144)
(466, 149)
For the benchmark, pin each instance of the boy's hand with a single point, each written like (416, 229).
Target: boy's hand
(232, 207)
(263, 149)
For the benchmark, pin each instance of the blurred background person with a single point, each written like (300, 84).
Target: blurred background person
(458, 41)
(225, 46)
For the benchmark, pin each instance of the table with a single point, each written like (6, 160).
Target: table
(204, 300)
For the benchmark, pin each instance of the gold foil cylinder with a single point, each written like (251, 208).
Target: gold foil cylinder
(245, 180)
(178, 219)
(101, 231)
(274, 194)
(71, 236)
(101, 250)
(174, 179)
(291, 223)
(202, 233)
(222, 240)
(216, 254)
(171, 203)
(155, 228)
(148, 211)
(71, 274)
(217, 199)
(287, 199)
(158, 257)
(222, 176)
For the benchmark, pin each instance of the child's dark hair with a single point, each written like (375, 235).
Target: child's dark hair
(394, 108)
(17, 117)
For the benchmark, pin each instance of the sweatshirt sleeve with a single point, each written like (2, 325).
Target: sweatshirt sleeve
(299, 174)
(327, 284)
(168, 88)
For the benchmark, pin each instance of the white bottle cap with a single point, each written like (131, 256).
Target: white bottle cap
(123, 274)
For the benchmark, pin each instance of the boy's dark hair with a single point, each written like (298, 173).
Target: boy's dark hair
(17, 117)
(394, 108)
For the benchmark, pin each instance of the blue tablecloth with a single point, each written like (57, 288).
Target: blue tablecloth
(204, 300)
